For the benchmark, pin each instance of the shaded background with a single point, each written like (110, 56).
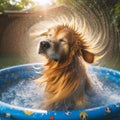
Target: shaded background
(17, 46)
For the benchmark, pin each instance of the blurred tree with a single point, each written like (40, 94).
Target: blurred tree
(116, 14)
(111, 7)
(15, 4)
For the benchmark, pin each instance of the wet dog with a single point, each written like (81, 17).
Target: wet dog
(65, 77)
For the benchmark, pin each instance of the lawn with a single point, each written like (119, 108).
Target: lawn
(6, 61)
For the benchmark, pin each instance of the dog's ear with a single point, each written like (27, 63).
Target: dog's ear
(87, 56)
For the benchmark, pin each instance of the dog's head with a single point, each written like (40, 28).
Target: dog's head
(61, 43)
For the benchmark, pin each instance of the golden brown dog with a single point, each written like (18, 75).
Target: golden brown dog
(65, 77)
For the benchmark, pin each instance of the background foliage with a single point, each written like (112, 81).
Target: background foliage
(111, 6)
(15, 4)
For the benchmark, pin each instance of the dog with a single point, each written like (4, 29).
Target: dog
(65, 77)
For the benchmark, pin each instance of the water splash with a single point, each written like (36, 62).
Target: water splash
(27, 93)
(100, 33)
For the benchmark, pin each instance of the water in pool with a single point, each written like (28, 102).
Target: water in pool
(27, 93)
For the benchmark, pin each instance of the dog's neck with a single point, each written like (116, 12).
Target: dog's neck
(64, 79)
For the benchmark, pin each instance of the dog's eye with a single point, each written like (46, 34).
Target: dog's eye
(61, 40)
(49, 35)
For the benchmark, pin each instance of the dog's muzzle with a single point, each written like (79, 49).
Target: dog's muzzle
(44, 45)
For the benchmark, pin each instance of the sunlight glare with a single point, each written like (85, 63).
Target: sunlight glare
(44, 2)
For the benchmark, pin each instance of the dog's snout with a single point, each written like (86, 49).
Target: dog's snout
(44, 45)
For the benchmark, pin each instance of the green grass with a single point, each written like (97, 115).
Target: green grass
(6, 61)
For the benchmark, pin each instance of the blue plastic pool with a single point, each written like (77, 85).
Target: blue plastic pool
(10, 112)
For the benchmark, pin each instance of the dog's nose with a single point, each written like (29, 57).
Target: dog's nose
(44, 45)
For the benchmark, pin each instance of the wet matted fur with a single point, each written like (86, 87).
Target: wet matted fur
(65, 77)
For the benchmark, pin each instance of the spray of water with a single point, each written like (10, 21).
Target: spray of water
(26, 93)
(95, 25)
